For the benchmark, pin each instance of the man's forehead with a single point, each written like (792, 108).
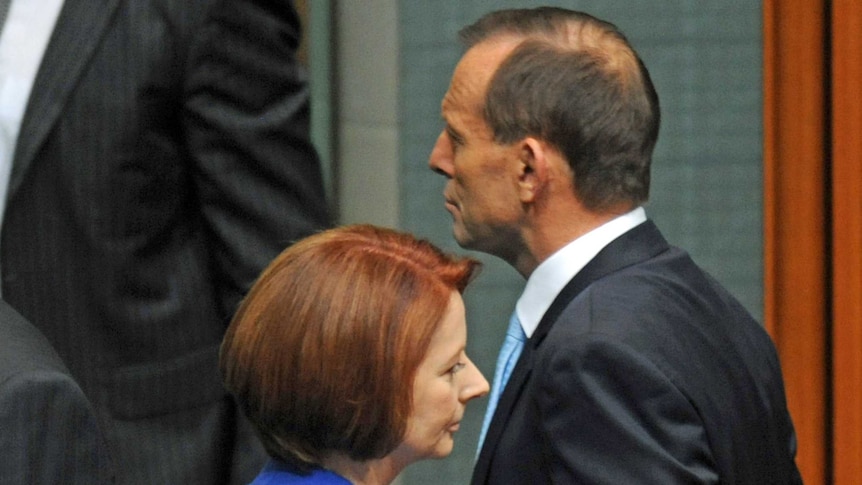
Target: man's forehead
(483, 59)
(474, 72)
(461, 97)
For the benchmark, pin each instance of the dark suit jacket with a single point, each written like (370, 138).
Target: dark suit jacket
(162, 162)
(49, 433)
(644, 370)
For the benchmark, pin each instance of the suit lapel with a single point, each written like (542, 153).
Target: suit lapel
(639, 244)
(79, 30)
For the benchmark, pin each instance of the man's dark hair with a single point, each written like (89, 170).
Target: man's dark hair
(576, 83)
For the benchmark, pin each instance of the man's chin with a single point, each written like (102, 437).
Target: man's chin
(500, 245)
(461, 236)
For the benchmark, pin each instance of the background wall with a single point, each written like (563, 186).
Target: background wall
(393, 62)
(367, 92)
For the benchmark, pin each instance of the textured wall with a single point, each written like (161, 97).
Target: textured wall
(366, 166)
(705, 59)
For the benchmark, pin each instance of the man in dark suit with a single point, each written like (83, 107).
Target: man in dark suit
(626, 363)
(48, 431)
(162, 162)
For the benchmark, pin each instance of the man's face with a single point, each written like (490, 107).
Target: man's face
(481, 192)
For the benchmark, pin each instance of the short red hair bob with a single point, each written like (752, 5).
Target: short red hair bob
(322, 353)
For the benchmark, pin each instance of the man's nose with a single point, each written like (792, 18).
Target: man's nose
(440, 160)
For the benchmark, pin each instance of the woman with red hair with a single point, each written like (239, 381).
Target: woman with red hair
(348, 356)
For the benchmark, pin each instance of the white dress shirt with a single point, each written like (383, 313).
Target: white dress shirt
(28, 28)
(552, 275)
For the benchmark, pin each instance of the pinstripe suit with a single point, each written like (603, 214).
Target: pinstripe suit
(48, 430)
(162, 162)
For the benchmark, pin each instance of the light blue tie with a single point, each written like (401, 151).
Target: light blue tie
(509, 353)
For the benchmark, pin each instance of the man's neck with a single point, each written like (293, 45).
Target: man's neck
(547, 237)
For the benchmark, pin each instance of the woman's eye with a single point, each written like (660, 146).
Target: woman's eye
(455, 368)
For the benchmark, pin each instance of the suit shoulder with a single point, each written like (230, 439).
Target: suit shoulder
(23, 348)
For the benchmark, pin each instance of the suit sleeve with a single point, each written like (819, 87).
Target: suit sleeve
(610, 416)
(246, 117)
(49, 433)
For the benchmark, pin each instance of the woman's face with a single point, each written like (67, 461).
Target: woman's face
(445, 380)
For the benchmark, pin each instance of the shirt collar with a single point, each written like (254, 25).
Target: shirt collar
(549, 278)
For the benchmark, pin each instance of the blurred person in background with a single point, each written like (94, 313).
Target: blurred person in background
(49, 432)
(154, 157)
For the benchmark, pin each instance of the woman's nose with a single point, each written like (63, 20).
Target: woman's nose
(476, 385)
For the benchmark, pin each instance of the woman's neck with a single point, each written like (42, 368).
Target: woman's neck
(372, 472)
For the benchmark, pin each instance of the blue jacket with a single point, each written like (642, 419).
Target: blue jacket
(277, 472)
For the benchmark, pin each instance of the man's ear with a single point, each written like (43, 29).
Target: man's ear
(533, 169)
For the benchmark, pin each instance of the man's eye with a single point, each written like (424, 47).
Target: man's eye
(454, 138)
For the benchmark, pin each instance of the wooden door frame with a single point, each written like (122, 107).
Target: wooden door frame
(813, 225)
(846, 184)
(795, 223)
